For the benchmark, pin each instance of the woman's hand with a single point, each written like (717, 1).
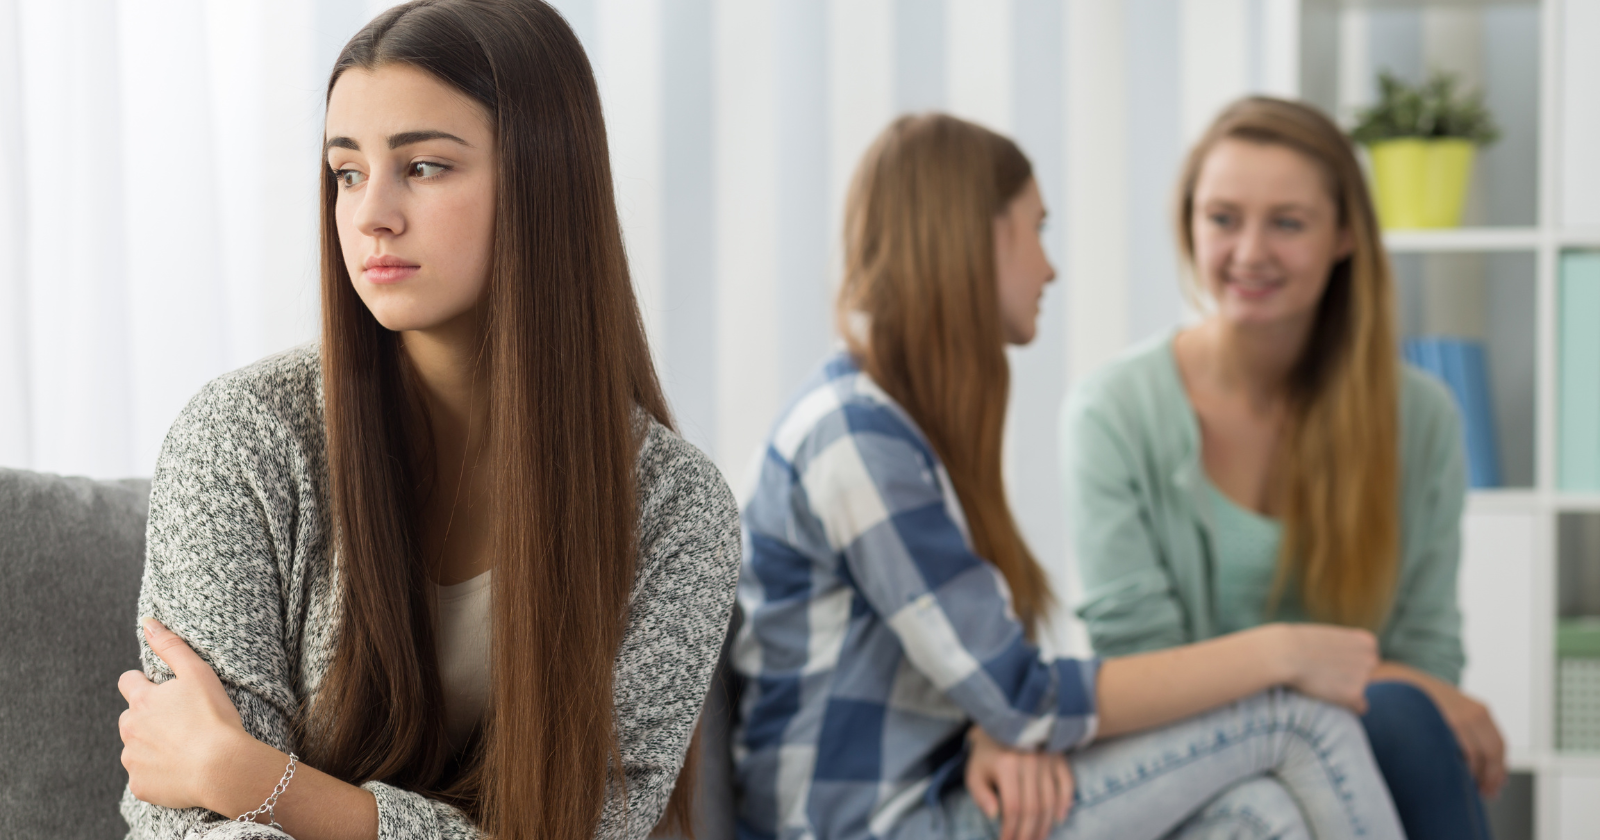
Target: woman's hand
(176, 734)
(1029, 792)
(1473, 725)
(1333, 664)
(1477, 734)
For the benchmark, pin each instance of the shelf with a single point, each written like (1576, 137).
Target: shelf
(1461, 240)
(1567, 502)
(1528, 500)
(1415, 4)
(1503, 500)
(1580, 238)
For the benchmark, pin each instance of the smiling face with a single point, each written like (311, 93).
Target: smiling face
(1021, 267)
(416, 169)
(1266, 233)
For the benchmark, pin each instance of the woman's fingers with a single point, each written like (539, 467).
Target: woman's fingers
(168, 645)
(1009, 777)
(1045, 818)
(981, 786)
(1028, 766)
(1028, 787)
(1065, 789)
(1495, 779)
(132, 684)
(1475, 730)
(1494, 753)
(1487, 757)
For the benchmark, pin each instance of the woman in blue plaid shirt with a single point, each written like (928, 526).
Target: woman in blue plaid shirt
(894, 687)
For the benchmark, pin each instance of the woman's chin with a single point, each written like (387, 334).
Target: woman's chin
(1258, 314)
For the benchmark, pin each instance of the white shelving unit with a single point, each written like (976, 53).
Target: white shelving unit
(1512, 546)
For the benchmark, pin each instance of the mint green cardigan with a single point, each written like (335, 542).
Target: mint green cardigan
(1141, 522)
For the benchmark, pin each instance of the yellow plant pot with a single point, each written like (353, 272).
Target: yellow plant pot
(1421, 183)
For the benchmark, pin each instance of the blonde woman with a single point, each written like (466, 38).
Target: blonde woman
(1276, 461)
(891, 604)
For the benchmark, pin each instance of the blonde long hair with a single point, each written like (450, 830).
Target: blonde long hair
(920, 272)
(1338, 458)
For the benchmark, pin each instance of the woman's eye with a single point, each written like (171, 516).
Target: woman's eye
(424, 169)
(1222, 219)
(349, 177)
(1290, 225)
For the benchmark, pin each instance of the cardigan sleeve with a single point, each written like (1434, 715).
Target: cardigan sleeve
(213, 575)
(219, 572)
(222, 572)
(681, 604)
(1129, 603)
(1424, 626)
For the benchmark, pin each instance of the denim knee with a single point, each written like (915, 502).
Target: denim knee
(1402, 717)
(1314, 716)
(1255, 809)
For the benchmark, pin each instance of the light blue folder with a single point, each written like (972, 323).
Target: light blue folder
(1578, 451)
(1462, 365)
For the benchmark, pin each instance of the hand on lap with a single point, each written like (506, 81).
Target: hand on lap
(1029, 792)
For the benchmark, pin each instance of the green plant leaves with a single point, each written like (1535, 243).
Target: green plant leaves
(1435, 109)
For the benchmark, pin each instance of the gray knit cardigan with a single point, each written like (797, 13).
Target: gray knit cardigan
(240, 564)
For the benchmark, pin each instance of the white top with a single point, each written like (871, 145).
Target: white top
(464, 624)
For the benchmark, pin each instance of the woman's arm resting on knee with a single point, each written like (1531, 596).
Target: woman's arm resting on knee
(1147, 690)
(1469, 719)
(185, 747)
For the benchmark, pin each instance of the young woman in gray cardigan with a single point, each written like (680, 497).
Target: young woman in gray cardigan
(448, 573)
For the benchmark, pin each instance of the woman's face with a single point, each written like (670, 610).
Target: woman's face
(416, 169)
(1021, 268)
(1266, 233)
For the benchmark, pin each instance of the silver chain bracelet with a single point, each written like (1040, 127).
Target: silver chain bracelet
(268, 806)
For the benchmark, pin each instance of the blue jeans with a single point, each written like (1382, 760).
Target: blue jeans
(1433, 790)
(1276, 765)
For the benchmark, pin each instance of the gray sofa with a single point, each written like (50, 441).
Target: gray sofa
(71, 556)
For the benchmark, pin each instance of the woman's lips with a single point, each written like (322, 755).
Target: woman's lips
(1254, 290)
(386, 274)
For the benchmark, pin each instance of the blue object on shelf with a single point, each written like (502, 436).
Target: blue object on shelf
(1578, 386)
(1462, 366)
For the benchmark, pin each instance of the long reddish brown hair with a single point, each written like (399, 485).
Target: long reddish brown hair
(919, 277)
(1337, 468)
(565, 357)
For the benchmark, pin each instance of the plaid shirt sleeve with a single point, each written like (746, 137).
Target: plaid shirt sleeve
(886, 506)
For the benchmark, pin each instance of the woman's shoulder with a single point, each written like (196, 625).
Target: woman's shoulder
(1140, 378)
(1429, 419)
(682, 494)
(1133, 403)
(280, 394)
(843, 401)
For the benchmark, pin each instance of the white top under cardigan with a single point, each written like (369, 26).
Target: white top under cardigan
(463, 643)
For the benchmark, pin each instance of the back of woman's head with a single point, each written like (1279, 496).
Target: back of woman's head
(564, 356)
(919, 308)
(1338, 458)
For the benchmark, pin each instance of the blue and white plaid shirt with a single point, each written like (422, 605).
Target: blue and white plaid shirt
(873, 635)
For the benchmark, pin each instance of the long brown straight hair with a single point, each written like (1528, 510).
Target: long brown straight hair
(1337, 466)
(919, 277)
(567, 364)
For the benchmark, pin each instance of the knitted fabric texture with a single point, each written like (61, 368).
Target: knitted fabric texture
(240, 564)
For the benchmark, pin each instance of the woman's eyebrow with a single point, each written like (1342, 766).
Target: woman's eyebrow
(404, 138)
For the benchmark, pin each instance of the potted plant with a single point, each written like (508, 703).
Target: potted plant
(1422, 141)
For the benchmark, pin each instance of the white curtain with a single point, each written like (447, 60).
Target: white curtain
(157, 221)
